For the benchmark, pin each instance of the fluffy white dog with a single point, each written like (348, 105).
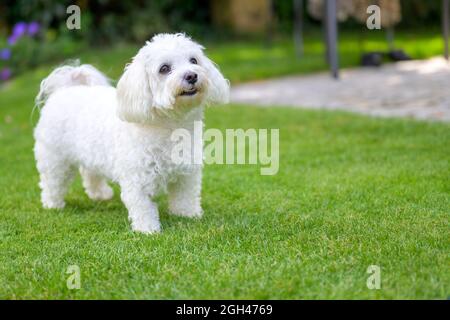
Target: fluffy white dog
(124, 134)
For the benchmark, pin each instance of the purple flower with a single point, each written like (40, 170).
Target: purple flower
(19, 30)
(5, 74)
(5, 54)
(33, 28)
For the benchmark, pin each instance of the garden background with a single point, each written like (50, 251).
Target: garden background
(352, 191)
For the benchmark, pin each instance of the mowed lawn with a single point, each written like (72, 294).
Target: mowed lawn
(351, 192)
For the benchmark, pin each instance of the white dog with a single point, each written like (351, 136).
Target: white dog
(124, 134)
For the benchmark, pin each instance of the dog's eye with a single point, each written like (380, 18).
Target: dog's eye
(193, 61)
(165, 68)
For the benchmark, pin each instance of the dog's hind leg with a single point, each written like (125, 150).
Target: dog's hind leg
(95, 185)
(55, 174)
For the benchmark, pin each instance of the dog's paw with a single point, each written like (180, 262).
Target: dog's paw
(51, 204)
(186, 212)
(147, 228)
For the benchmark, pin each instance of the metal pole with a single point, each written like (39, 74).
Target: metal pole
(325, 34)
(390, 38)
(298, 27)
(445, 25)
(331, 34)
(270, 24)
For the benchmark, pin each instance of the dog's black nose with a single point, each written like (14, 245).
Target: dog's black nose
(191, 77)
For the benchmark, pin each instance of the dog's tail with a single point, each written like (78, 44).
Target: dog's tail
(72, 74)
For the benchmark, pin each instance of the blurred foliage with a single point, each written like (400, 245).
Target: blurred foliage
(103, 22)
(108, 21)
(29, 52)
(415, 14)
(24, 48)
(421, 13)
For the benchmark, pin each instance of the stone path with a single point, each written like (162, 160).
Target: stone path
(418, 89)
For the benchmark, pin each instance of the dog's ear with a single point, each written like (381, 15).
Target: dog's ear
(219, 87)
(134, 97)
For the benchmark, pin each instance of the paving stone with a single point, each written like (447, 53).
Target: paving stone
(419, 89)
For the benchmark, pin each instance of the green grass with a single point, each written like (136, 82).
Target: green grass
(351, 192)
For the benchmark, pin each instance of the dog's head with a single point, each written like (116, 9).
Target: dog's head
(169, 73)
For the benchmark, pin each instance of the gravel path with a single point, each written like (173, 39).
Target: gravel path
(418, 89)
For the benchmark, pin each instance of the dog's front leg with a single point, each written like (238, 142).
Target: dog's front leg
(142, 212)
(185, 195)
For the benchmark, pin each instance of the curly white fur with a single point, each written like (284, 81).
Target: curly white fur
(123, 134)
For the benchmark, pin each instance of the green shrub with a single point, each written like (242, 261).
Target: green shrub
(110, 21)
(29, 45)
